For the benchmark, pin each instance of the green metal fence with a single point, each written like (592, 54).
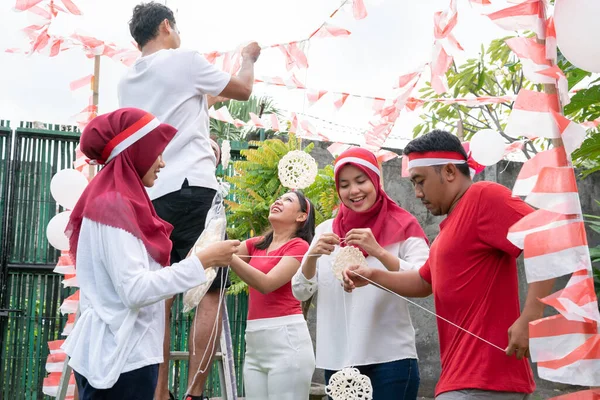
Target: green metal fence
(27, 262)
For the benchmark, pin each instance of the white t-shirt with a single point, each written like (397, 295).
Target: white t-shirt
(378, 323)
(172, 85)
(122, 322)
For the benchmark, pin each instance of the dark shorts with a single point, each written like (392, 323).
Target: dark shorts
(138, 384)
(186, 210)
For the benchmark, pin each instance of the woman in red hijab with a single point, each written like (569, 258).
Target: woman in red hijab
(120, 245)
(368, 329)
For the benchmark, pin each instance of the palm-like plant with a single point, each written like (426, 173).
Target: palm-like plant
(241, 110)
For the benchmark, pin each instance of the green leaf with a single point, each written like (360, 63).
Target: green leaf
(586, 101)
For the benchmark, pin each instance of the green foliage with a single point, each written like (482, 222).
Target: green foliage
(496, 72)
(256, 185)
(241, 110)
(593, 222)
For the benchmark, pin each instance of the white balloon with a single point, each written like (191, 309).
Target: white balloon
(67, 186)
(487, 147)
(55, 231)
(577, 32)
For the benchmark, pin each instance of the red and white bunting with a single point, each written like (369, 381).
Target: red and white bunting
(314, 95)
(539, 220)
(71, 7)
(580, 367)
(55, 362)
(222, 114)
(54, 346)
(440, 64)
(65, 264)
(70, 281)
(335, 149)
(81, 82)
(556, 188)
(551, 48)
(51, 383)
(562, 84)
(533, 58)
(275, 126)
(577, 301)
(572, 134)
(525, 16)
(24, 5)
(69, 325)
(256, 121)
(358, 9)
(70, 304)
(531, 116)
(328, 30)
(339, 100)
(555, 252)
(530, 170)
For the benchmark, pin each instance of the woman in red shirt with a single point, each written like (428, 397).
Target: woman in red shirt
(279, 355)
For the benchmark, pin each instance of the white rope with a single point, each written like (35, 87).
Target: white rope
(430, 312)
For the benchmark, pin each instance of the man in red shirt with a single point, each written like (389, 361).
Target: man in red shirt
(472, 273)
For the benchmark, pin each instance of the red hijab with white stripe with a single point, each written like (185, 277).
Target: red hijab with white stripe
(387, 220)
(127, 142)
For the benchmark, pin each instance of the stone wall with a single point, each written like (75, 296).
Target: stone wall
(400, 189)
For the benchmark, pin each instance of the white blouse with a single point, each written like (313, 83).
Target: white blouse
(122, 320)
(367, 326)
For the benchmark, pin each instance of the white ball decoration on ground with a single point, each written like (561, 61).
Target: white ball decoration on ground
(487, 147)
(349, 384)
(347, 257)
(297, 170)
(55, 231)
(577, 32)
(66, 187)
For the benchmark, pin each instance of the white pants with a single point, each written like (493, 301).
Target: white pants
(279, 359)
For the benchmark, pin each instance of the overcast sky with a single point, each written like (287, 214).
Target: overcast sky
(395, 38)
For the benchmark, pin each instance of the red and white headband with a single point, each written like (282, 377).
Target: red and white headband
(129, 136)
(356, 160)
(430, 158)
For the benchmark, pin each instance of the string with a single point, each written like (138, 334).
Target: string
(430, 312)
(402, 297)
(213, 336)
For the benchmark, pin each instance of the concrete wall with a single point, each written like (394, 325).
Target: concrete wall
(400, 189)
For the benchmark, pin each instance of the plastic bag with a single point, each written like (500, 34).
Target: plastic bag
(214, 231)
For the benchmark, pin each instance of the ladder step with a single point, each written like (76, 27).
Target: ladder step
(185, 355)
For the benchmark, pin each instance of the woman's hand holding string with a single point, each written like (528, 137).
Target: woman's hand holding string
(218, 254)
(325, 245)
(354, 277)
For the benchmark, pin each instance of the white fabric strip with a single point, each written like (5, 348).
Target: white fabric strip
(428, 162)
(143, 131)
(356, 160)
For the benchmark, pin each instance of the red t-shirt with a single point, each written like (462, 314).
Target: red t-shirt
(473, 272)
(280, 302)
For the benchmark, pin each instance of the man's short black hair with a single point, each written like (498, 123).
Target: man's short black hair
(146, 19)
(438, 140)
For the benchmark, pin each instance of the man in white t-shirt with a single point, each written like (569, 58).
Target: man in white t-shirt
(178, 86)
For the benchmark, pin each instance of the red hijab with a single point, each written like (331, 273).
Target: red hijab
(388, 222)
(128, 142)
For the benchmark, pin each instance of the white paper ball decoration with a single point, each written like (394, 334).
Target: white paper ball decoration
(297, 170)
(66, 187)
(487, 147)
(55, 231)
(349, 384)
(578, 31)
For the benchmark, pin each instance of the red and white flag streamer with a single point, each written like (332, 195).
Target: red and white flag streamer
(69, 325)
(571, 133)
(529, 15)
(314, 95)
(554, 337)
(556, 188)
(70, 304)
(551, 49)
(65, 264)
(533, 58)
(328, 30)
(51, 383)
(531, 116)
(530, 170)
(539, 220)
(358, 9)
